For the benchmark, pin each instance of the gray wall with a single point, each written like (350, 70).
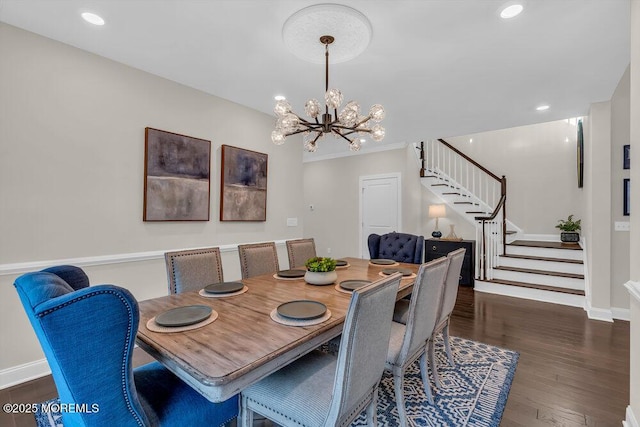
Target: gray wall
(72, 166)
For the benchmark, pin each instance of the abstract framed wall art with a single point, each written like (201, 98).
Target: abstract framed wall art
(243, 185)
(626, 157)
(626, 196)
(177, 171)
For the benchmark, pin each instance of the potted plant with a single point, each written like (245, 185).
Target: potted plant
(320, 271)
(569, 229)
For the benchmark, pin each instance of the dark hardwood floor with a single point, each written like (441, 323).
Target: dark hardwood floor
(572, 371)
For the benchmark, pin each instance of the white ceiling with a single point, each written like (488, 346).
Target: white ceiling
(440, 67)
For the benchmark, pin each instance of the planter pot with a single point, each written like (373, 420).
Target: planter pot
(569, 237)
(320, 278)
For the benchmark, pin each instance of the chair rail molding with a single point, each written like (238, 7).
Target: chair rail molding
(25, 267)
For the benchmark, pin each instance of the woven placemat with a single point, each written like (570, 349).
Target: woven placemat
(291, 322)
(411, 276)
(154, 327)
(275, 276)
(384, 265)
(206, 294)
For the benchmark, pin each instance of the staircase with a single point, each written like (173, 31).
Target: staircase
(506, 263)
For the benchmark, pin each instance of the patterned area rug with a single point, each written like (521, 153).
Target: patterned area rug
(473, 393)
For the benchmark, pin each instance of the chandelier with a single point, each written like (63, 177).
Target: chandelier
(349, 124)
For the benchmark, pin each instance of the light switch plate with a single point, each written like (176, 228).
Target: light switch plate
(292, 222)
(622, 225)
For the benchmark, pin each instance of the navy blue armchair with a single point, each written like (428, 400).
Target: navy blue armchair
(88, 335)
(401, 247)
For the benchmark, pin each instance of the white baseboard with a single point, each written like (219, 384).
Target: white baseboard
(532, 294)
(621, 313)
(23, 373)
(599, 313)
(632, 420)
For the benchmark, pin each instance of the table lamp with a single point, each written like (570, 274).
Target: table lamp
(436, 211)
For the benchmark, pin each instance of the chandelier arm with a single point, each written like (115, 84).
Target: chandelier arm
(364, 121)
(316, 138)
(298, 131)
(341, 135)
(355, 131)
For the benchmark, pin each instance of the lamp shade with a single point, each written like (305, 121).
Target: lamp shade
(437, 211)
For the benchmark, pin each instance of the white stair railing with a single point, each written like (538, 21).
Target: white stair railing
(472, 180)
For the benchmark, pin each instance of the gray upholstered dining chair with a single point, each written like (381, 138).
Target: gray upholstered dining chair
(257, 259)
(299, 251)
(191, 270)
(408, 340)
(449, 297)
(322, 389)
(447, 303)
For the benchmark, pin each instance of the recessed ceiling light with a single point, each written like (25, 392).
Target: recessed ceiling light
(92, 18)
(279, 97)
(470, 140)
(542, 108)
(511, 10)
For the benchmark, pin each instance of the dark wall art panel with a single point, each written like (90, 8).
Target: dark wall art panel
(176, 177)
(243, 185)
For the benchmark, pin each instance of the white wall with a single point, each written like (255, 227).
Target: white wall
(633, 412)
(331, 186)
(539, 162)
(71, 172)
(597, 186)
(620, 126)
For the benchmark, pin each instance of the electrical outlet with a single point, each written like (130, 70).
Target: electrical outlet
(328, 250)
(622, 226)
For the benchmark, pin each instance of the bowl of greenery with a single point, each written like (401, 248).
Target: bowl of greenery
(320, 271)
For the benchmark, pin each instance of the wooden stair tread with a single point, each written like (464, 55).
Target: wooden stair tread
(511, 232)
(439, 185)
(452, 194)
(544, 258)
(477, 212)
(541, 272)
(545, 244)
(536, 286)
(464, 203)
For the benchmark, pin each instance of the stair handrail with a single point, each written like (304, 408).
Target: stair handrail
(500, 206)
(469, 159)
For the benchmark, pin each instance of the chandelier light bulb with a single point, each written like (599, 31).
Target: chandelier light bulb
(282, 107)
(310, 146)
(333, 98)
(354, 145)
(377, 133)
(377, 113)
(312, 108)
(277, 137)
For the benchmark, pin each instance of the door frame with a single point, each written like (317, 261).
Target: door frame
(364, 178)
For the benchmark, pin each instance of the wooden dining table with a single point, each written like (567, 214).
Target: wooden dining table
(244, 345)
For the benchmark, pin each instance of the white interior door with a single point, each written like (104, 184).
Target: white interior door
(380, 207)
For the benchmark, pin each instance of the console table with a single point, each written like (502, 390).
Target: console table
(436, 248)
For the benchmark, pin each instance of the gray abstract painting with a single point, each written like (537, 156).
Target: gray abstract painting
(243, 186)
(177, 177)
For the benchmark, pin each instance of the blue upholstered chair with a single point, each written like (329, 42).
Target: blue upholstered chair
(401, 247)
(88, 334)
(322, 389)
